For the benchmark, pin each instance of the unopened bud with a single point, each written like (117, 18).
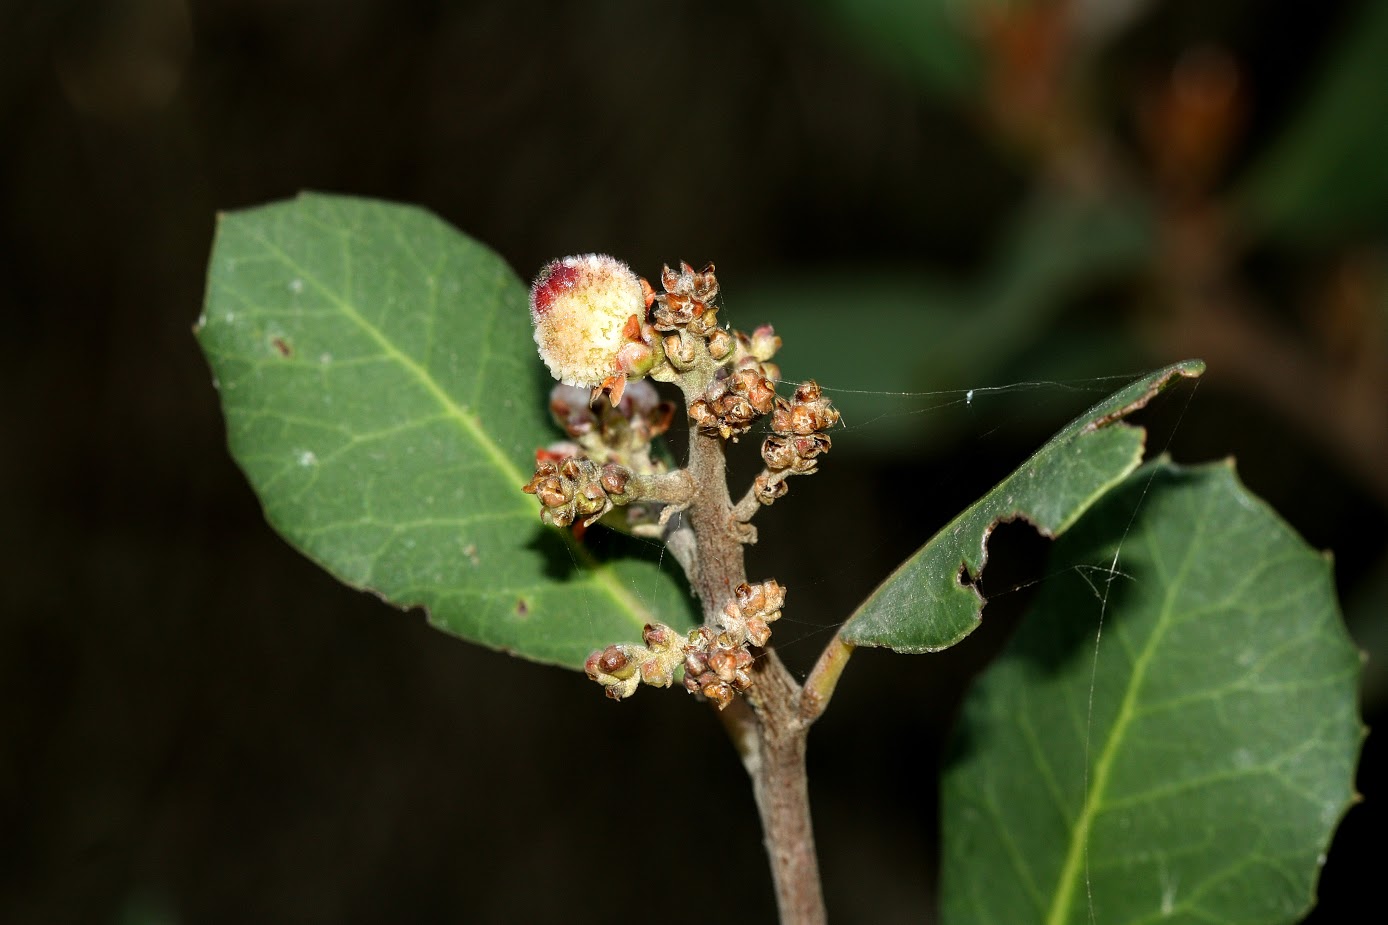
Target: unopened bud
(764, 343)
(557, 517)
(657, 635)
(720, 343)
(723, 663)
(758, 633)
(613, 661)
(694, 664)
(614, 478)
(657, 672)
(569, 407)
(701, 416)
(680, 350)
(721, 693)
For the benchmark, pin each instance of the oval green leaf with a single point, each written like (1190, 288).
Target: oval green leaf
(1192, 768)
(924, 606)
(383, 397)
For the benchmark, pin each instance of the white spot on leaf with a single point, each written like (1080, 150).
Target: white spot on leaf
(307, 458)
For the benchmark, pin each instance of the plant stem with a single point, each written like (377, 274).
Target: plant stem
(722, 566)
(781, 788)
(824, 677)
(770, 736)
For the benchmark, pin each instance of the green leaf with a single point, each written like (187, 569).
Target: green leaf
(1193, 766)
(383, 397)
(924, 607)
(1324, 177)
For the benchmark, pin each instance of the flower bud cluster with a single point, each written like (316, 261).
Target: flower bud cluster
(745, 389)
(756, 349)
(687, 302)
(685, 316)
(620, 433)
(717, 663)
(614, 438)
(575, 489)
(599, 327)
(620, 669)
(715, 667)
(732, 401)
(797, 442)
(716, 660)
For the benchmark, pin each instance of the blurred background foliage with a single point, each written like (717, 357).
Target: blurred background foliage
(962, 214)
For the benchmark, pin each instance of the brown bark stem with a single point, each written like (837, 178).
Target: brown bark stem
(771, 736)
(675, 488)
(781, 788)
(722, 565)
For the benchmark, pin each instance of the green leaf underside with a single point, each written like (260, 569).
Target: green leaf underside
(383, 397)
(924, 606)
(1219, 754)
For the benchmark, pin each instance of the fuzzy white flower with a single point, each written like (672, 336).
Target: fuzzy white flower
(588, 312)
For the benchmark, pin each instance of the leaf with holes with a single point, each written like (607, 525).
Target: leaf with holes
(1193, 766)
(924, 607)
(381, 393)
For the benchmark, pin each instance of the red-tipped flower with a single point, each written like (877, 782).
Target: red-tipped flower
(589, 312)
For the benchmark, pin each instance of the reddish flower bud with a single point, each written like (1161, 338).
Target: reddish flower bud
(694, 664)
(656, 672)
(657, 635)
(614, 478)
(758, 633)
(612, 660)
(723, 663)
(764, 343)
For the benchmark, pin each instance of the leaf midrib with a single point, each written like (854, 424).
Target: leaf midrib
(1072, 872)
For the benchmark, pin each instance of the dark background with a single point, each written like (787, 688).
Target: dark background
(197, 725)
